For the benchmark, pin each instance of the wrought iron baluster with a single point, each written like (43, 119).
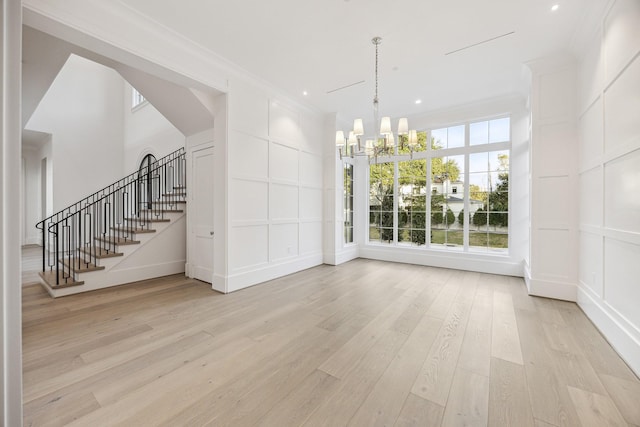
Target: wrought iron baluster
(110, 214)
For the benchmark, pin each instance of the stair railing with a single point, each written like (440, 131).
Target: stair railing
(74, 238)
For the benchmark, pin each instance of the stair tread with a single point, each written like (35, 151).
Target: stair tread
(83, 267)
(162, 210)
(135, 230)
(118, 240)
(100, 252)
(181, 194)
(170, 202)
(145, 220)
(49, 277)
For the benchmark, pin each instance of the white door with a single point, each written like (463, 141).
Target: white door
(201, 209)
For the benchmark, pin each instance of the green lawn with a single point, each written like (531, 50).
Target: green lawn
(482, 239)
(454, 237)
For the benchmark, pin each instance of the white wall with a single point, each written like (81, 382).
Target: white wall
(33, 153)
(83, 110)
(31, 194)
(275, 200)
(609, 180)
(553, 268)
(146, 131)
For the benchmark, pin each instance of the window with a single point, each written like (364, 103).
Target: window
(381, 202)
(412, 201)
(489, 199)
(136, 98)
(456, 186)
(403, 147)
(348, 203)
(448, 137)
(445, 208)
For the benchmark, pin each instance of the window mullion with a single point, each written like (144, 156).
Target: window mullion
(467, 204)
(427, 222)
(395, 202)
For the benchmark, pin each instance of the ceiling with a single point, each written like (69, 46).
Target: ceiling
(321, 45)
(34, 140)
(43, 56)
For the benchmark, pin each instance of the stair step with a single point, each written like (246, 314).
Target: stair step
(118, 241)
(181, 194)
(100, 252)
(179, 187)
(83, 267)
(145, 220)
(159, 211)
(136, 230)
(49, 278)
(169, 202)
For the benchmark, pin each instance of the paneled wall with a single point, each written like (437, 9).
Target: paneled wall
(609, 166)
(275, 186)
(552, 270)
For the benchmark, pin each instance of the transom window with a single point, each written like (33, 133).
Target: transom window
(466, 168)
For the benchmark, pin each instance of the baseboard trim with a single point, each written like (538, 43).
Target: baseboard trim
(345, 255)
(459, 261)
(220, 283)
(107, 279)
(235, 282)
(623, 337)
(526, 274)
(551, 289)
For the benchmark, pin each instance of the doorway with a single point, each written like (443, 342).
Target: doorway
(201, 202)
(43, 188)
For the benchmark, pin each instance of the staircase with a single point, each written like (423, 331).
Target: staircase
(131, 230)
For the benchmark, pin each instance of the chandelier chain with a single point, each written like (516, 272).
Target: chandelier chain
(376, 97)
(376, 41)
(383, 142)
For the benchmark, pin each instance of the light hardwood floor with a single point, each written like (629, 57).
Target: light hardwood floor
(366, 343)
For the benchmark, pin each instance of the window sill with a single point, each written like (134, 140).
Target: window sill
(139, 106)
(440, 249)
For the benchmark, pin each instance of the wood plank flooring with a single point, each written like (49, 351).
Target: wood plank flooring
(366, 343)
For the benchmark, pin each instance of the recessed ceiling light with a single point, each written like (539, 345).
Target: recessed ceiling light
(305, 93)
(418, 101)
(554, 7)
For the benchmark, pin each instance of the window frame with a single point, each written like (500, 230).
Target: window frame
(466, 150)
(345, 226)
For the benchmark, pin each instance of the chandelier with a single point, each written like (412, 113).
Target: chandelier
(384, 142)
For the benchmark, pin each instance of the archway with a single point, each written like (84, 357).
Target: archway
(148, 177)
